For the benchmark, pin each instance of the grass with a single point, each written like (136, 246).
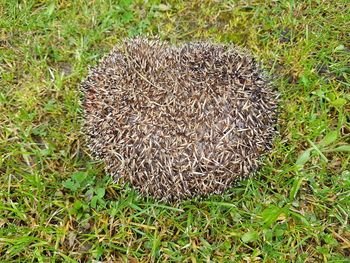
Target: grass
(57, 205)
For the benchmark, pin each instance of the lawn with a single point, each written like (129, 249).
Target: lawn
(58, 205)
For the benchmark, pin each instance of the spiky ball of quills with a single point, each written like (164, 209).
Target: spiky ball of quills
(178, 121)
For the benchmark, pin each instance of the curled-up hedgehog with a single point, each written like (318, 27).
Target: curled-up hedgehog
(178, 121)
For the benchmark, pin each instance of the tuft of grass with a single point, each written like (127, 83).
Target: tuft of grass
(57, 205)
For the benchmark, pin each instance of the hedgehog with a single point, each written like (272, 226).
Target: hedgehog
(177, 122)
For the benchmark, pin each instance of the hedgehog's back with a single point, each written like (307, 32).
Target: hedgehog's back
(177, 122)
